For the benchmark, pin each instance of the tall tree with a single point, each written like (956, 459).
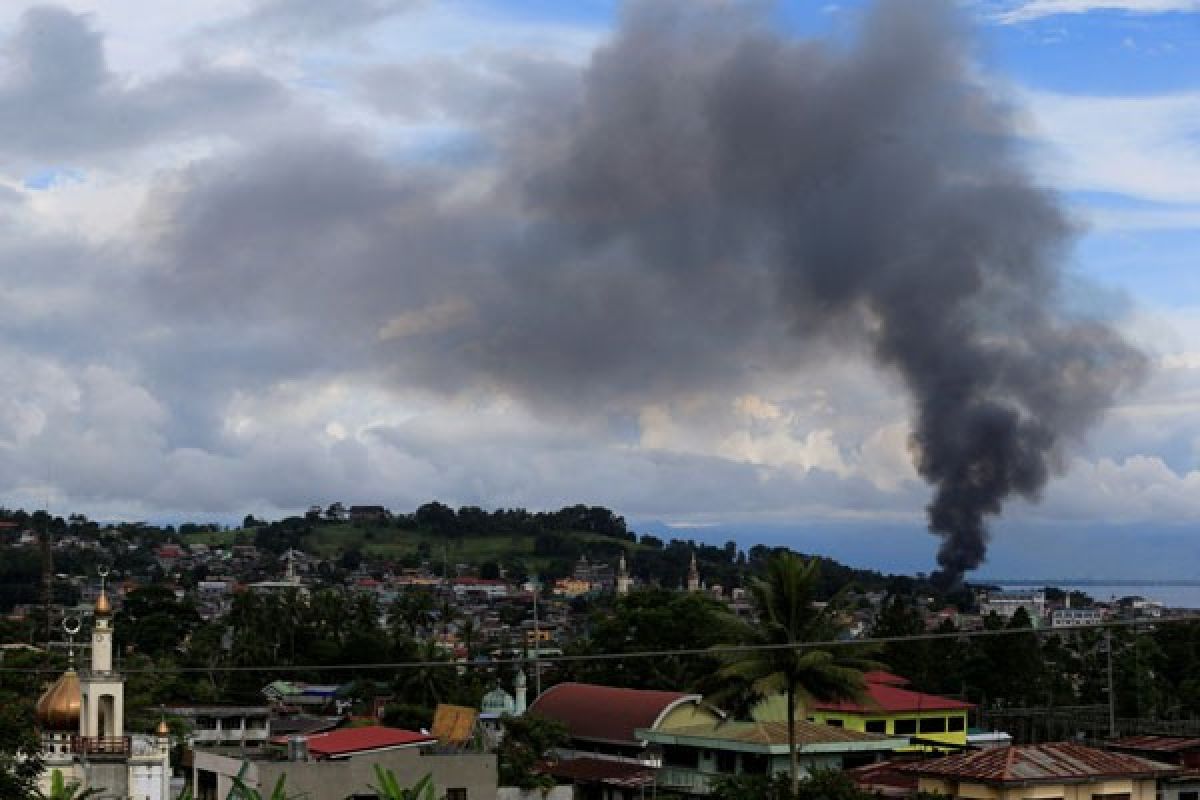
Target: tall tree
(787, 619)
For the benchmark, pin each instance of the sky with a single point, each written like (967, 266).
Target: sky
(259, 254)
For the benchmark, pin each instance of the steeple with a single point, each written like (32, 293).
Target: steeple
(693, 576)
(103, 708)
(623, 581)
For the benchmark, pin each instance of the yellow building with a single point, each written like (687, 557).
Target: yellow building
(1059, 770)
(931, 722)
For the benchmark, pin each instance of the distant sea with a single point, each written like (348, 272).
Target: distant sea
(1173, 594)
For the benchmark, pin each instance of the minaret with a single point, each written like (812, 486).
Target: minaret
(519, 692)
(103, 711)
(162, 735)
(693, 576)
(622, 577)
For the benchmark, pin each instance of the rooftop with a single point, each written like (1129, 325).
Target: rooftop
(885, 692)
(773, 736)
(606, 713)
(349, 741)
(1053, 762)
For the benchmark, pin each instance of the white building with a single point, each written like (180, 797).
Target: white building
(82, 720)
(1073, 617)
(1005, 604)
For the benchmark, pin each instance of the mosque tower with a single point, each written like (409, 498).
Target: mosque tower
(693, 575)
(623, 581)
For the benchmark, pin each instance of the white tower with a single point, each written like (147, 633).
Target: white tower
(693, 575)
(623, 581)
(519, 692)
(102, 715)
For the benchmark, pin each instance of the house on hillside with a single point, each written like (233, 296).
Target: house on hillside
(693, 757)
(1060, 770)
(887, 708)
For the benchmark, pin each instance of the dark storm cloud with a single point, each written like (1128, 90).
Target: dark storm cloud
(60, 100)
(711, 201)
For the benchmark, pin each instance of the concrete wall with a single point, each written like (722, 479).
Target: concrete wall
(557, 793)
(475, 772)
(1136, 789)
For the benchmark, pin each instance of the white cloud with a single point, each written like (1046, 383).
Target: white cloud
(1140, 146)
(1036, 9)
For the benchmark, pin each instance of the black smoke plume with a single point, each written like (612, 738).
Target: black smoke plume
(878, 189)
(703, 200)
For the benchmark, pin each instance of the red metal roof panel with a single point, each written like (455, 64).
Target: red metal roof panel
(605, 713)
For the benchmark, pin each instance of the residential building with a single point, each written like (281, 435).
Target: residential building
(887, 708)
(693, 757)
(1056, 770)
(607, 749)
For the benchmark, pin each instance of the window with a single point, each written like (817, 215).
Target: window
(876, 726)
(1189, 796)
(754, 764)
(959, 724)
(727, 762)
(1115, 796)
(675, 756)
(933, 725)
(903, 727)
(456, 794)
(835, 723)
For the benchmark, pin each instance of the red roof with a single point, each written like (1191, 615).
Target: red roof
(883, 778)
(885, 693)
(606, 713)
(347, 741)
(1053, 762)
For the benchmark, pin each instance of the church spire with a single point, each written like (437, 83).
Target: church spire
(693, 576)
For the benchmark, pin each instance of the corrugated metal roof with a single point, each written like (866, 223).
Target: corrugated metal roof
(1058, 761)
(774, 733)
(1158, 743)
(605, 713)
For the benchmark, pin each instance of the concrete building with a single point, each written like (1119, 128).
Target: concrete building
(1074, 617)
(1005, 604)
(229, 726)
(341, 764)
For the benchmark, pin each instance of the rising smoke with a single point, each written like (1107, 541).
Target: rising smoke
(707, 194)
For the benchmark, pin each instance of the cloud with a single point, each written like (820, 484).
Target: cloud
(1140, 146)
(1036, 9)
(312, 19)
(60, 101)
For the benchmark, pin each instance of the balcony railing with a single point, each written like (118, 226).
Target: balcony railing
(101, 746)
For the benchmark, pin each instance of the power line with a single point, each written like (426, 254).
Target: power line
(716, 650)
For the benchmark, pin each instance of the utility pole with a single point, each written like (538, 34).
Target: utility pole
(1112, 695)
(47, 554)
(537, 641)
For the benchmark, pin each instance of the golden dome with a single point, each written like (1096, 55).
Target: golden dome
(162, 729)
(58, 707)
(103, 607)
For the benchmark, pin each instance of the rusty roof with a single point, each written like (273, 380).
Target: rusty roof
(772, 733)
(1048, 763)
(1158, 743)
(600, 770)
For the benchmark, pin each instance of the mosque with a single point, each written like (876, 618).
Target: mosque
(82, 720)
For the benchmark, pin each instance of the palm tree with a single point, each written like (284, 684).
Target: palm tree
(61, 790)
(390, 789)
(786, 616)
